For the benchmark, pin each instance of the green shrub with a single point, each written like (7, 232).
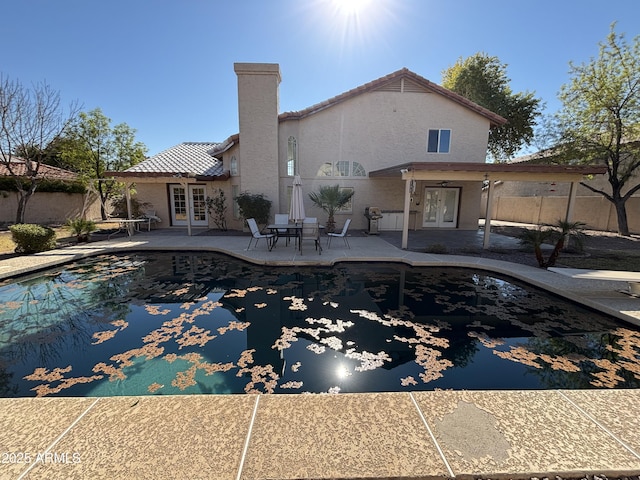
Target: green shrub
(217, 208)
(81, 228)
(30, 238)
(254, 206)
(119, 206)
(8, 184)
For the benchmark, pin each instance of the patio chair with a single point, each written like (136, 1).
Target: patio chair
(311, 231)
(257, 235)
(342, 234)
(151, 218)
(282, 219)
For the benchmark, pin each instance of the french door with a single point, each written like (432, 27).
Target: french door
(193, 205)
(441, 207)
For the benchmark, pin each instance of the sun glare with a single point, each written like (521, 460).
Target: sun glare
(354, 23)
(352, 7)
(349, 27)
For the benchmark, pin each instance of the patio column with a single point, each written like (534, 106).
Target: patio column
(405, 219)
(187, 201)
(487, 220)
(127, 196)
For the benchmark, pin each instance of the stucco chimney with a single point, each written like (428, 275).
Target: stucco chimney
(258, 108)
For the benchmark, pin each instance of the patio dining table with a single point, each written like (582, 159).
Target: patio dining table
(128, 225)
(286, 230)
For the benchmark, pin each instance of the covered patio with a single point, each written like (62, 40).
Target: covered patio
(488, 174)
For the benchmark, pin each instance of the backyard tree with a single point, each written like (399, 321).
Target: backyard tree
(30, 119)
(600, 119)
(483, 80)
(94, 147)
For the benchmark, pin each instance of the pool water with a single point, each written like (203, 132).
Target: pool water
(192, 323)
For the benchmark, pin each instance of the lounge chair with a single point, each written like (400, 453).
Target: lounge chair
(257, 235)
(342, 234)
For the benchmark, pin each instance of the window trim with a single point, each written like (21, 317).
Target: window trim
(348, 208)
(436, 134)
(233, 166)
(292, 156)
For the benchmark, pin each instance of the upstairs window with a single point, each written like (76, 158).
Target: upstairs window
(341, 168)
(326, 170)
(439, 141)
(292, 156)
(358, 170)
(233, 166)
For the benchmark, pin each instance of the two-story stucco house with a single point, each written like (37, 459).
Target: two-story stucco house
(402, 143)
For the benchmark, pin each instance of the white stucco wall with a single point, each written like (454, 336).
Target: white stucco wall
(378, 130)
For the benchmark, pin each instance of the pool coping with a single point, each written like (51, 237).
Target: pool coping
(441, 434)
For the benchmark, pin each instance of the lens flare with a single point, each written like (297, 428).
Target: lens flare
(351, 7)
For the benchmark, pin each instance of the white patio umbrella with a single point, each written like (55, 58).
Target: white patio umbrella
(296, 209)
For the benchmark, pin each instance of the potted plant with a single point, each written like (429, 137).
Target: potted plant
(81, 228)
(331, 199)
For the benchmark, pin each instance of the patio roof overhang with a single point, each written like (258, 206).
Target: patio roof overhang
(467, 171)
(479, 172)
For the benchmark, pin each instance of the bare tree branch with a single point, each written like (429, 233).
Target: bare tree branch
(30, 119)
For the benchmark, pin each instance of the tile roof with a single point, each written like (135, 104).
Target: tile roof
(188, 158)
(494, 118)
(44, 171)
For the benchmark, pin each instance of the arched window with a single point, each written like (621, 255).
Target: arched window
(292, 156)
(325, 170)
(358, 170)
(341, 168)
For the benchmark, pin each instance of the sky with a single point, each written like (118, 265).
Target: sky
(165, 67)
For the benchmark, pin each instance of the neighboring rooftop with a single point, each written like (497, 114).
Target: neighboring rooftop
(50, 172)
(186, 159)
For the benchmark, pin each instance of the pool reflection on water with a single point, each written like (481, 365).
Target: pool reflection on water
(190, 323)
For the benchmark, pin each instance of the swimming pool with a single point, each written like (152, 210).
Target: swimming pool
(190, 323)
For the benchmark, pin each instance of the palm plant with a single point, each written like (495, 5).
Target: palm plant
(561, 232)
(81, 228)
(331, 199)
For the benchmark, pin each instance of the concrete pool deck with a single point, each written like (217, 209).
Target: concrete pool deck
(440, 434)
